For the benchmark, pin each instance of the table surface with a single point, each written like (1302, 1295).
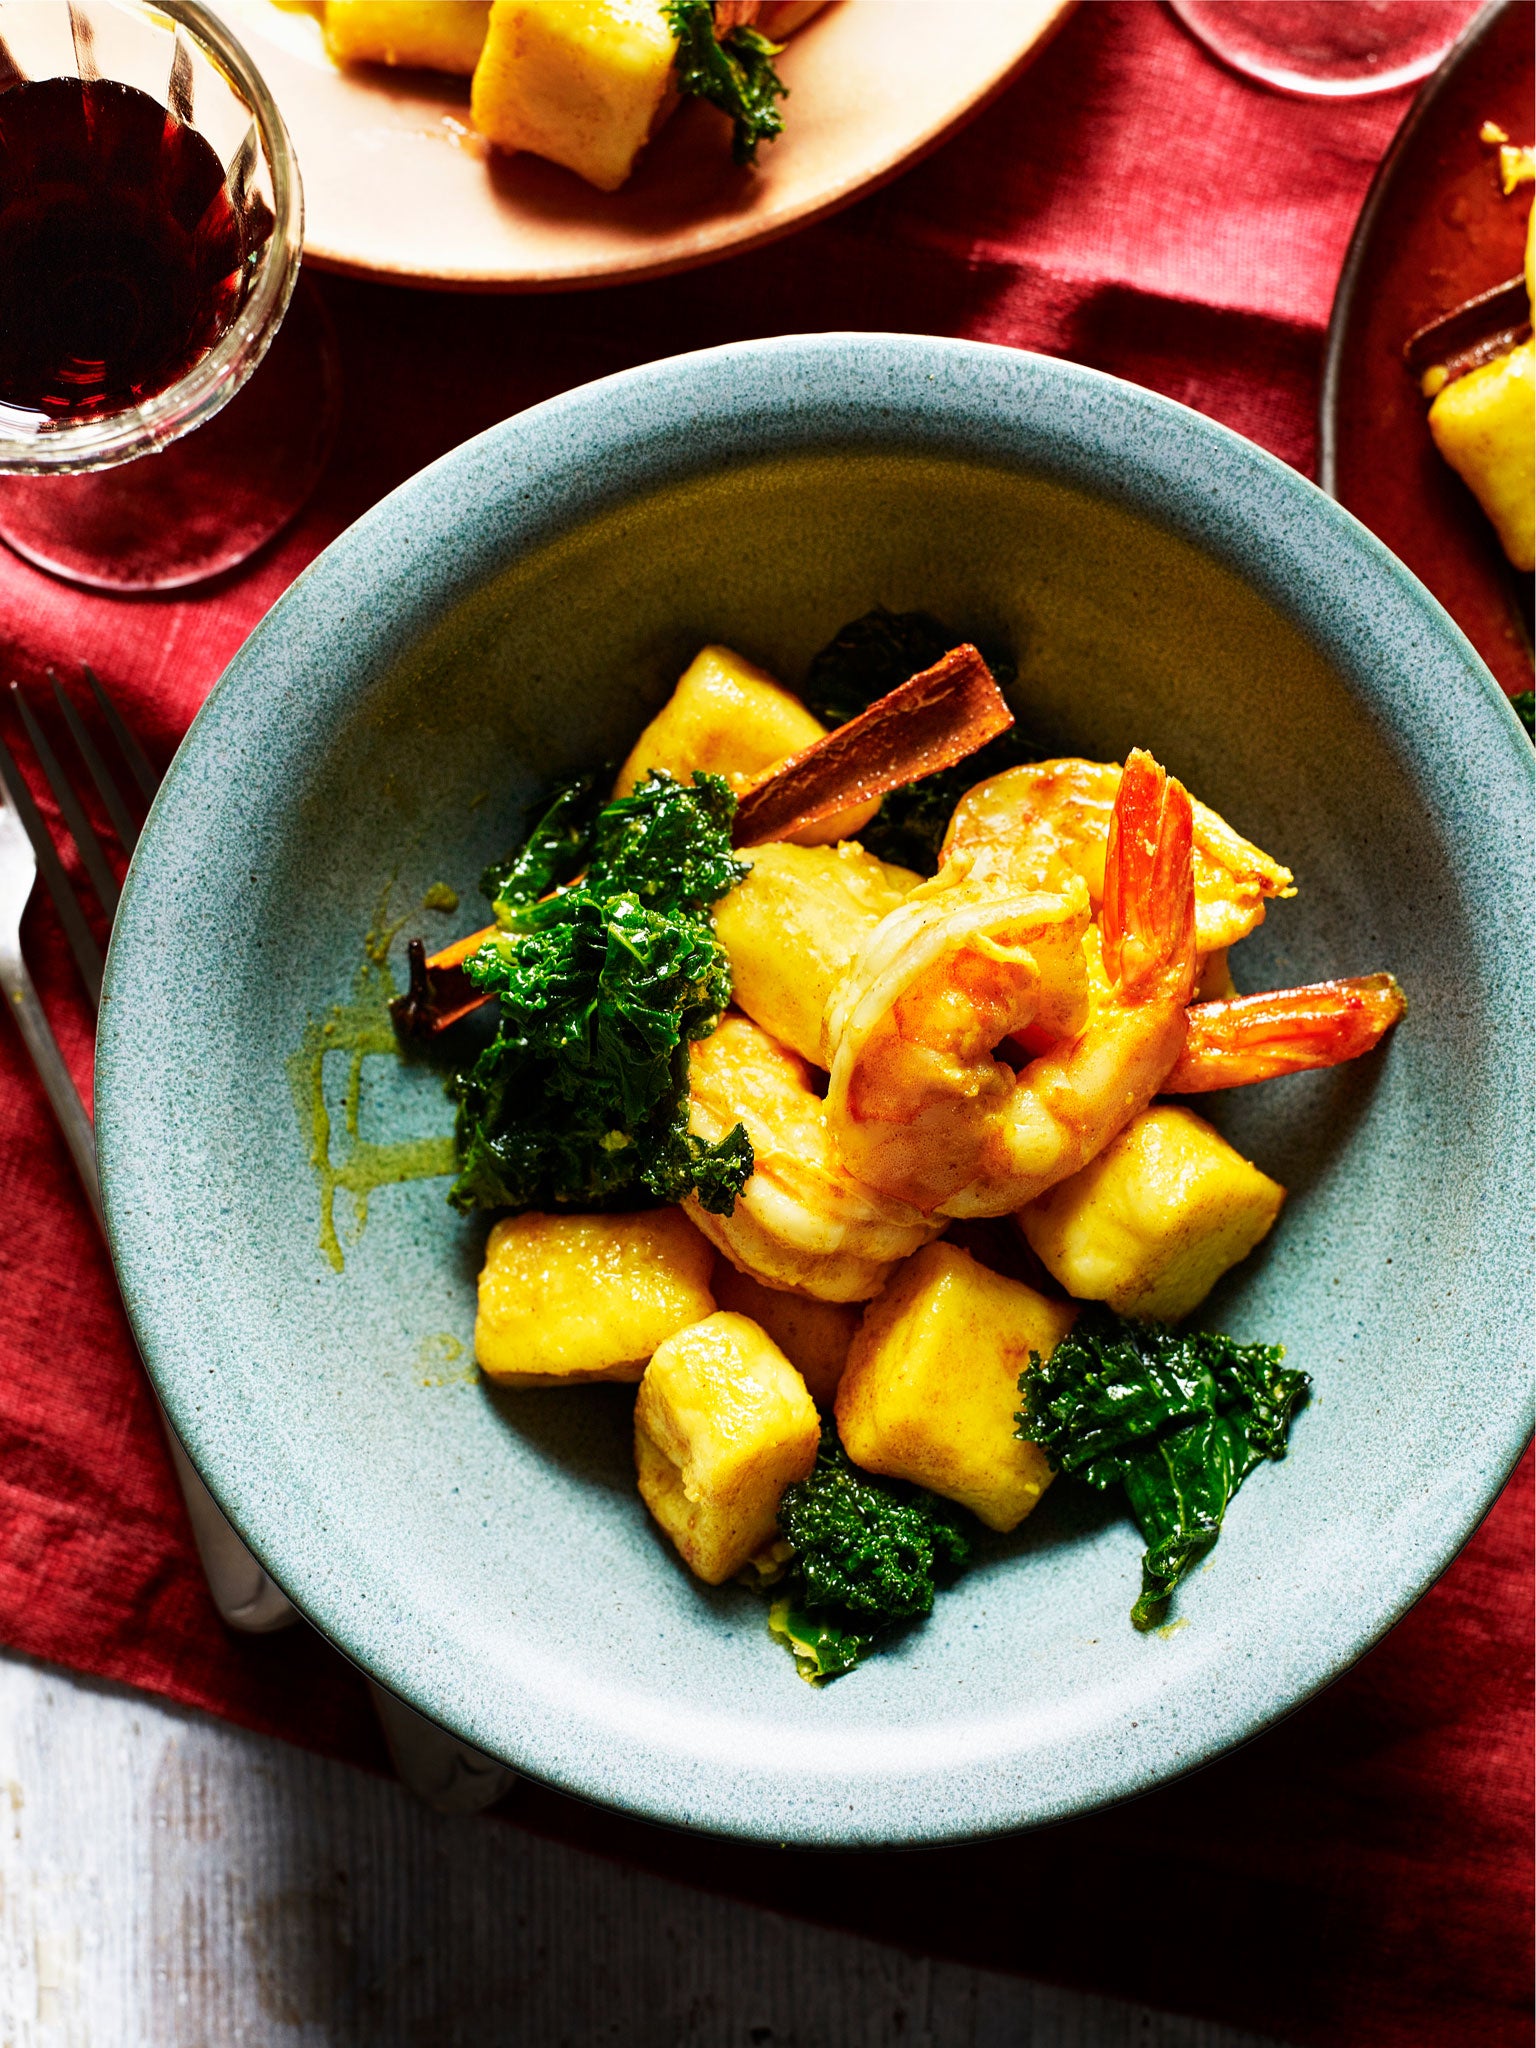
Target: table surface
(167, 1881)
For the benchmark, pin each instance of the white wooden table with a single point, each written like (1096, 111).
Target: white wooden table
(170, 1882)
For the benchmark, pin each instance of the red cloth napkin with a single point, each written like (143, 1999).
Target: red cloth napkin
(1361, 1874)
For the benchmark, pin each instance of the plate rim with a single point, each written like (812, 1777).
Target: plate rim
(1439, 81)
(799, 372)
(516, 283)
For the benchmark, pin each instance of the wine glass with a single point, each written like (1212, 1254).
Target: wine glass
(151, 224)
(1328, 49)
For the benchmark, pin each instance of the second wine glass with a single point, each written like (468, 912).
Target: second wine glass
(1328, 49)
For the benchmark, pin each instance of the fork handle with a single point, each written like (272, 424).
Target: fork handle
(245, 1597)
(21, 1000)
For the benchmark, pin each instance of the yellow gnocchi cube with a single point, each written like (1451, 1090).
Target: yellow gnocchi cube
(437, 35)
(1484, 424)
(794, 924)
(931, 1389)
(584, 83)
(1151, 1225)
(730, 717)
(564, 1299)
(723, 1424)
(813, 1335)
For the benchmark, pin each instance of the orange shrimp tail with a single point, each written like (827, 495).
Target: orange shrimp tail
(1284, 1031)
(1147, 919)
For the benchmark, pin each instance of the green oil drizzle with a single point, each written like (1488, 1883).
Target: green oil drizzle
(357, 1030)
(436, 1358)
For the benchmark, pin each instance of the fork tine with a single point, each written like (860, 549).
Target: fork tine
(143, 769)
(85, 949)
(81, 830)
(123, 825)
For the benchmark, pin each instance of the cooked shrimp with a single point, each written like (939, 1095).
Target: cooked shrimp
(911, 1027)
(1284, 1031)
(1032, 821)
(917, 1105)
(802, 1222)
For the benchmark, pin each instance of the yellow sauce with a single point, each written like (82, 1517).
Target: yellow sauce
(358, 1029)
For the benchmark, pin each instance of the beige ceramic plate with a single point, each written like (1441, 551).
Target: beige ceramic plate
(397, 186)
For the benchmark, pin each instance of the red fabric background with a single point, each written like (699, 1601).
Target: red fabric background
(1361, 1874)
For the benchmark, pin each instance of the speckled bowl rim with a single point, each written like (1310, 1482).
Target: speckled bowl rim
(563, 462)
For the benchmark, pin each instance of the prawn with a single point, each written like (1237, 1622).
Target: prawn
(917, 1104)
(802, 1223)
(1284, 1031)
(1233, 1041)
(909, 1030)
(1034, 821)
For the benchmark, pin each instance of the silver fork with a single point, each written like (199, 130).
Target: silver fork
(244, 1595)
(432, 1763)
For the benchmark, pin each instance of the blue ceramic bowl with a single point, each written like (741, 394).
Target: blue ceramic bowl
(520, 608)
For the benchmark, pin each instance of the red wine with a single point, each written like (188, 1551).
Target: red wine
(121, 254)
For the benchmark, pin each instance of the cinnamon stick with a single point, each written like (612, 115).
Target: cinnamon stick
(929, 722)
(440, 992)
(1473, 333)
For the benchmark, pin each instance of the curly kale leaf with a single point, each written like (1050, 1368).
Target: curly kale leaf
(1179, 1419)
(581, 1099)
(668, 844)
(870, 657)
(820, 1649)
(684, 1164)
(1524, 705)
(733, 72)
(868, 1546)
(554, 851)
(867, 1554)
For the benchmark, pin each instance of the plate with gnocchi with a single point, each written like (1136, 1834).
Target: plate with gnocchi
(860, 1187)
(541, 145)
(1427, 418)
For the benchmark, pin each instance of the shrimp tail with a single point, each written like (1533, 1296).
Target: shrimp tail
(1284, 1031)
(1148, 915)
